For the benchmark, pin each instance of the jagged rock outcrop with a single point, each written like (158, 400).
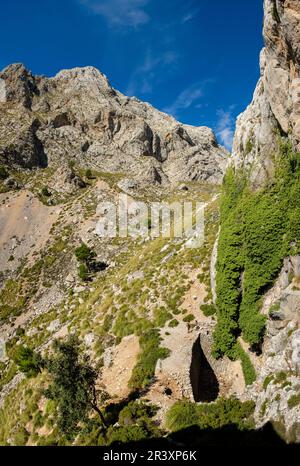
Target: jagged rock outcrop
(20, 145)
(19, 85)
(276, 103)
(78, 115)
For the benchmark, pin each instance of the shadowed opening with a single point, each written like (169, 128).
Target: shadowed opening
(204, 382)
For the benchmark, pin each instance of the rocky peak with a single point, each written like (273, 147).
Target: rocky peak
(82, 118)
(276, 103)
(88, 79)
(19, 85)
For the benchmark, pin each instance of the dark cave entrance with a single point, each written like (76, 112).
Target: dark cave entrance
(204, 382)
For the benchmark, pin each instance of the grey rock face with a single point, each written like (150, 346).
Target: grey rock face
(276, 103)
(20, 85)
(278, 385)
(19, 143)
(277, 388)
(78, 116)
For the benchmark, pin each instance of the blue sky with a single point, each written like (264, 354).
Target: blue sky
(195, 59)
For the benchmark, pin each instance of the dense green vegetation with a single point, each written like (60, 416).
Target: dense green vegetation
(86, 259)
(248, 369)
(259, 228)
(184, 414)
(28, 361)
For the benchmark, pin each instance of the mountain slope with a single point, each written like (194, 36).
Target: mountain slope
(67, 144)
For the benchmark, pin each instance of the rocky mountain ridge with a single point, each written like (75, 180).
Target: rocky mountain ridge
(78, 116)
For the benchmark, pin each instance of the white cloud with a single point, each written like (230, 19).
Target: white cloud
(147, 74)
(129, 13)
(225, 127)
(186, 98)
(189, 16)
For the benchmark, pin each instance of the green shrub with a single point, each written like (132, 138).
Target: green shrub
(129, 423)
(86, 258)
(280, 377)
(267, 381)
(208, 309)
(45, 192)
(89, 174)
(183, 414)
(126, 434)
(275, 308)
(136, 412)
(173, 323)
(3, 173)
(20, 437)
(20, 332)
(294, 401)
(189, 318)
(84, 254)
(249, 146)
(83, 273)
(263, 408)
(38, 420)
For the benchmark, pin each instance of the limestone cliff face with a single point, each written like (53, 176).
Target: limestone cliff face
(276, 391)
(276, 103)
(78, 115)
(274, 111)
